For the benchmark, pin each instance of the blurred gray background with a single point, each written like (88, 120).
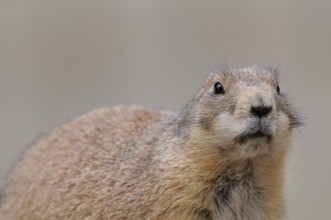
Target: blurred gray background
(62, 58)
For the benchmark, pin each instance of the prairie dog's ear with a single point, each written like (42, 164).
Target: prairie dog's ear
(275, 70)
(263, 69)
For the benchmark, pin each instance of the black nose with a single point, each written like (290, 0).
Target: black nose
(261, 111)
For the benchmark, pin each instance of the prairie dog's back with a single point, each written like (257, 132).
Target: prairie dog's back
(83, 165)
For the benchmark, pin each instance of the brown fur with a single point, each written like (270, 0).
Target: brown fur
(138, 163)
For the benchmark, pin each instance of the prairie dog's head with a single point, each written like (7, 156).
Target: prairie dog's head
(243, 112)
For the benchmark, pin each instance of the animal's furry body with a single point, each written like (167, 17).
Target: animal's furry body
(213, 160)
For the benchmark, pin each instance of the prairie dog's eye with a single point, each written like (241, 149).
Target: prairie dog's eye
(278, 89)
(218, 88)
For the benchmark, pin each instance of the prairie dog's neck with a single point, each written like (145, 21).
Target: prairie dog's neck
(197, 177)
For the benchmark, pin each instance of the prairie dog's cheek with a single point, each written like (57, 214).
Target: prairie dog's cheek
(284, 124)
(230, 126)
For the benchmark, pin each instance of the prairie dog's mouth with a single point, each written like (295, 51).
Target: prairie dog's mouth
(256, 131)
(253, 136)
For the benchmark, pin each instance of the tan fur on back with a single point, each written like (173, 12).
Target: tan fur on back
(137, 163)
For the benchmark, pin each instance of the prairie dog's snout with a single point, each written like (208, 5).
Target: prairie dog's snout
(255, 102)
(260, 109)
(261, 105)
(255, 112)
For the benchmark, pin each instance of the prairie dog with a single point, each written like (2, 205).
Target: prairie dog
(220, 157)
